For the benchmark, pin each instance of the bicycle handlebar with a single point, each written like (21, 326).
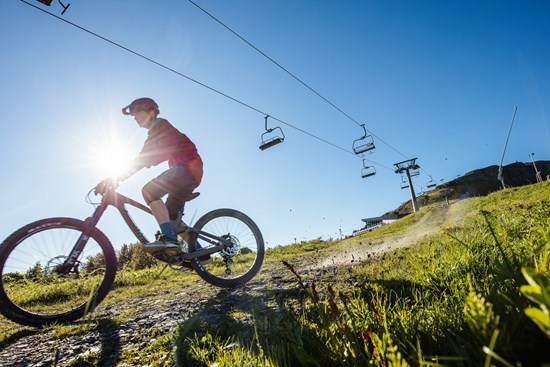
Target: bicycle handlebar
(105, 185)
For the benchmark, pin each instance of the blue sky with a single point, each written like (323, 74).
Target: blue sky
(436, 80)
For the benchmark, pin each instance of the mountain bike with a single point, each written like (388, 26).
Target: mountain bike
(57, 270)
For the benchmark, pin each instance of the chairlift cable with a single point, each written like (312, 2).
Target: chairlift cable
(144, 57)
(274, 62)
(196, 81)
(184, 76)
(294, 76)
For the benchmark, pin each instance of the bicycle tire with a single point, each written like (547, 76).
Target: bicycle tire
(32, 293)
(246, 256)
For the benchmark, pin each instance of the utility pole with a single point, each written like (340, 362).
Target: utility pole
(407, 166)
(499, 176)
(537, 172)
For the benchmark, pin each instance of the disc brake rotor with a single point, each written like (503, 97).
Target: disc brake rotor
(234, 248)
(54, 264)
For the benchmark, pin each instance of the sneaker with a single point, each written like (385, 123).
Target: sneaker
(178, 226)
(161, 244)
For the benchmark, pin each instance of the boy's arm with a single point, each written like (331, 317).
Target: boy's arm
(133, 168)
(111, 182)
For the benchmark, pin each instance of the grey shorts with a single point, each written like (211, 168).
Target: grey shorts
(177, 183)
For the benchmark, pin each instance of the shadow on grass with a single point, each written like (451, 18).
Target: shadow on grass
(20, 334)
(252, 323)
(108, 335)
(110, 341)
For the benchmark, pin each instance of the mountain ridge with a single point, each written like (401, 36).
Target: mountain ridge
(480, 182)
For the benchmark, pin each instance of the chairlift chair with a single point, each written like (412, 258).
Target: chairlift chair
(367, 171)
(431, 184)
(271, 137)
(359, 146)
(49, 2)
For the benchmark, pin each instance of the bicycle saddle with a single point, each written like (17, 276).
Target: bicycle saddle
(192, 196)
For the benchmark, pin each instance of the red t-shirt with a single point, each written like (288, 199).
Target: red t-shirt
(166, 143)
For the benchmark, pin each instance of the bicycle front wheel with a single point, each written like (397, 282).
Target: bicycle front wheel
(34, 290)
(236, 264)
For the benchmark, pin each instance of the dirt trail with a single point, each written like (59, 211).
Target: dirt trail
(362, 250)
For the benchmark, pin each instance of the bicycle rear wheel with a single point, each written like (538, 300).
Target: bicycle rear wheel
(237, 264)
(32, 289)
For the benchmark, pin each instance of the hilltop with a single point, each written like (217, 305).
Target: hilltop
(480, 182)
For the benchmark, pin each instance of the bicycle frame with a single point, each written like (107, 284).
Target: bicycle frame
(113, 198)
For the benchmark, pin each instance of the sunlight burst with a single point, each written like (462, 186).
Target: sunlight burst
(112, 158)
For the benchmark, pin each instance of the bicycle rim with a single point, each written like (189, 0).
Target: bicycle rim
(34, 292)
(238, 263)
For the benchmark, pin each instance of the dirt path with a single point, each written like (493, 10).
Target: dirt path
(359, 251)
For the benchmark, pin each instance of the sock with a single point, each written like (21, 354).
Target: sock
(166, 229)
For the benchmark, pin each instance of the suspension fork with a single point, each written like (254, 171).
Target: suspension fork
(71, 264)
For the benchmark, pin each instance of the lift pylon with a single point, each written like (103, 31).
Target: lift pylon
(406, 167)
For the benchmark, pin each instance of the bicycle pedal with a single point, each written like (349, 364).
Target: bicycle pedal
(157, 235)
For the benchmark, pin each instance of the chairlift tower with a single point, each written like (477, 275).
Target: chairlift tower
(406, 167)
(537, 172)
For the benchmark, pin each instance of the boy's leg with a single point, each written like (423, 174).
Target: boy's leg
(153, 192)
(177, 182)
(159, 211)
(161, 215)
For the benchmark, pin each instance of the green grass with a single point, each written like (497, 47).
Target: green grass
(473, 289)
(459, 296)
(298, 249)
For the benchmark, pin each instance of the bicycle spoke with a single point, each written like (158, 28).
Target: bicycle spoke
(238, 262)
(37, 287)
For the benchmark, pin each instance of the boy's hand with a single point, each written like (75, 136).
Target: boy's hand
(105, 185)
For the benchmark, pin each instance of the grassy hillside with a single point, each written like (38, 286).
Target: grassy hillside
(471, 287)
(465, 284)
(480, 182)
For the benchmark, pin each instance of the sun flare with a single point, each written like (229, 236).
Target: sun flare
(112, 158)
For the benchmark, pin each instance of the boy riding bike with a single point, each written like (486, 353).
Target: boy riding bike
(224, 247)
(164, 143)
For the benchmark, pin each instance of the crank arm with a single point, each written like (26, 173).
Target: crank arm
(202, 252)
